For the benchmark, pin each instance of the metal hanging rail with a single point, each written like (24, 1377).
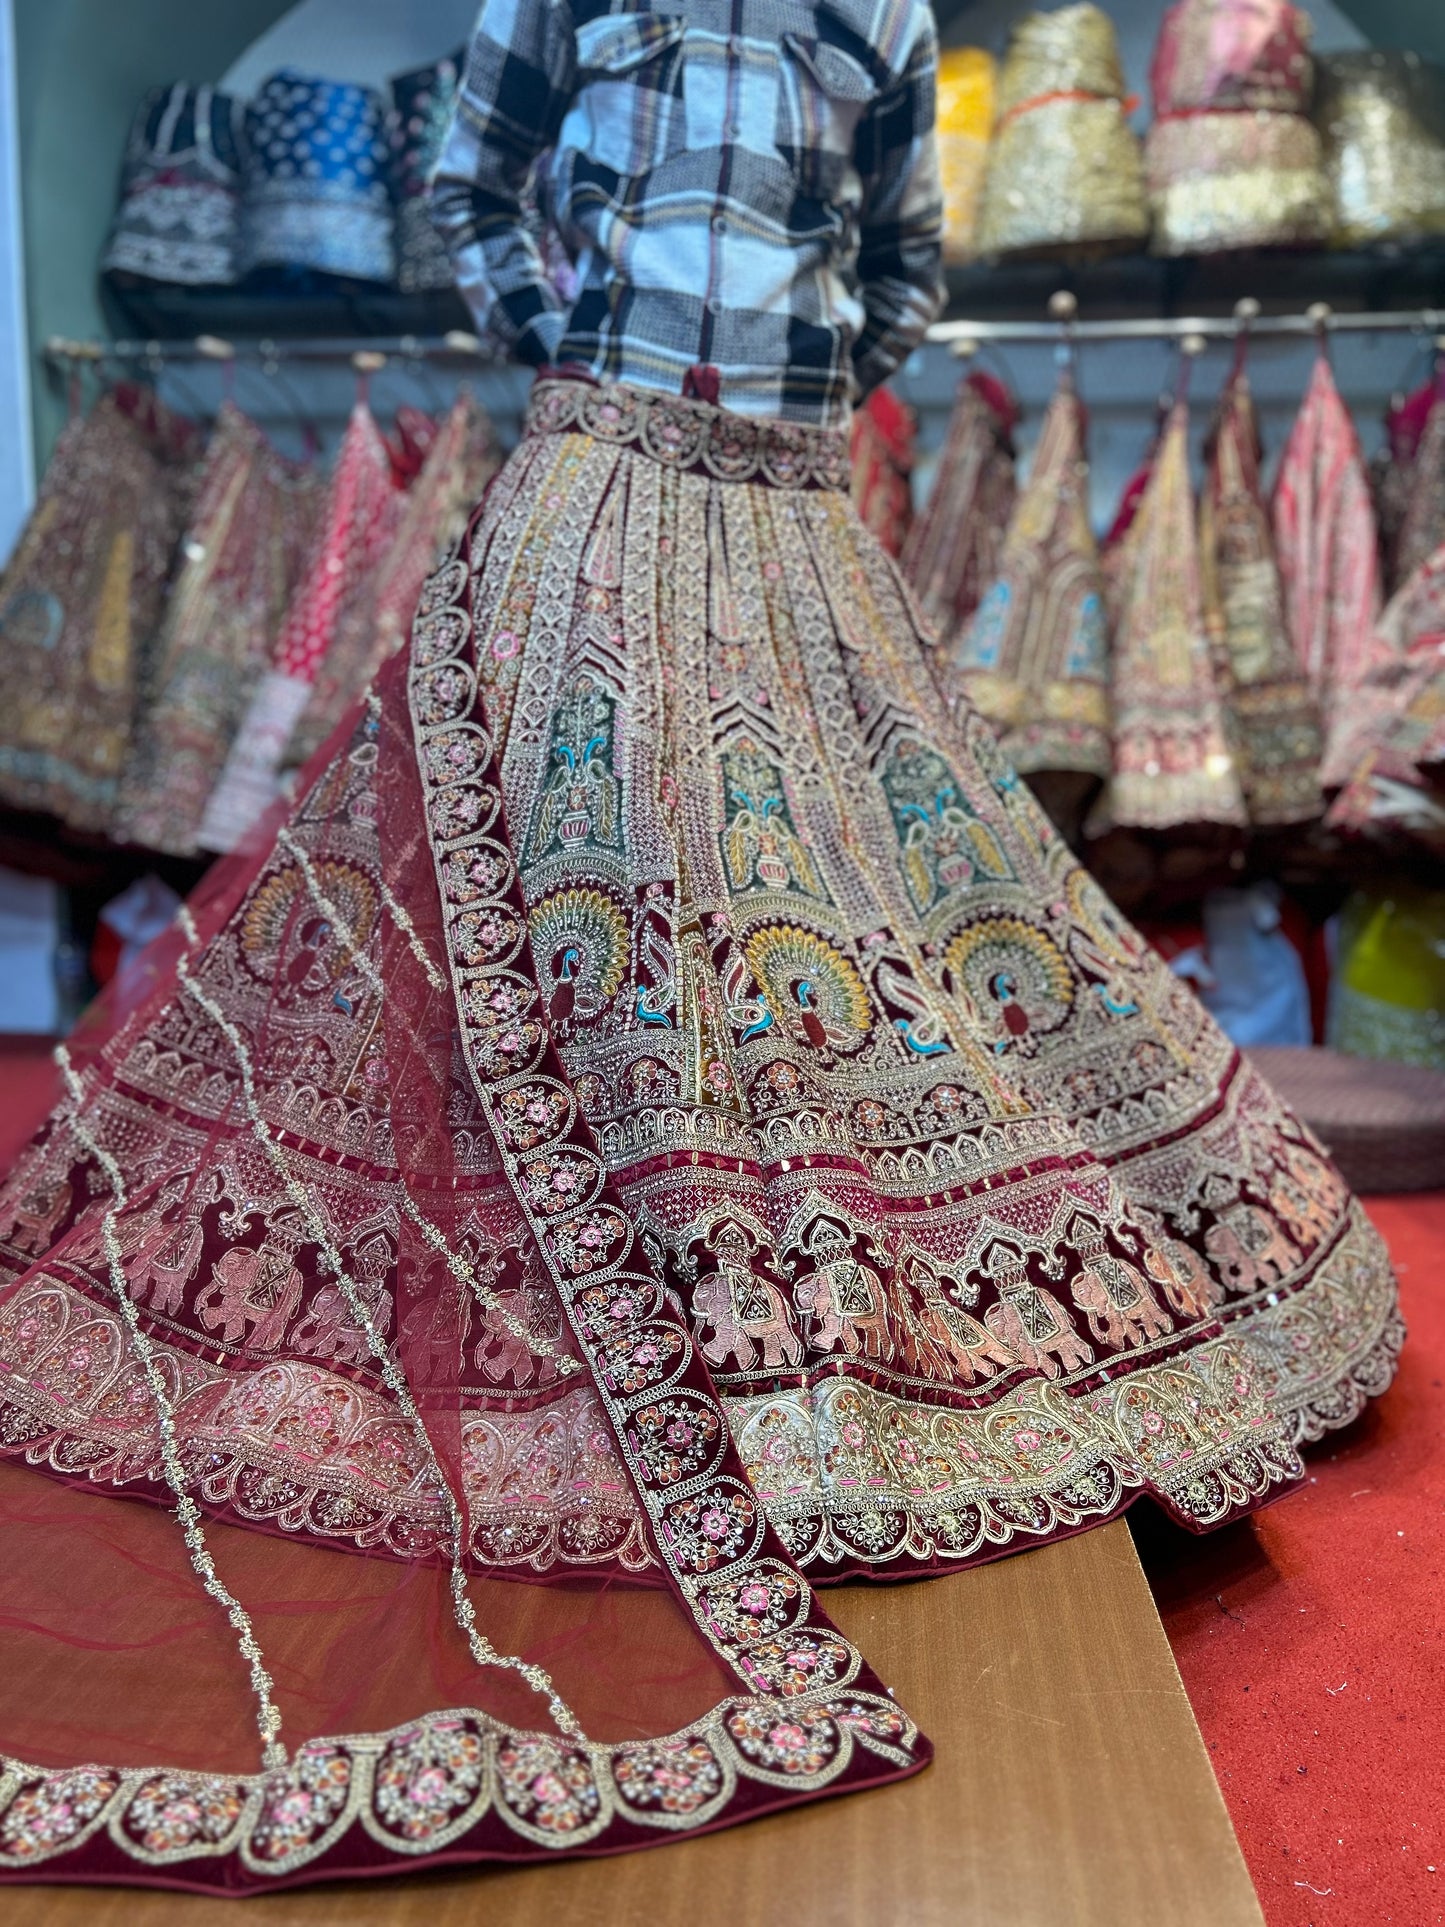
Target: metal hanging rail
(369, 352)
(365, 352)
(1319, 319)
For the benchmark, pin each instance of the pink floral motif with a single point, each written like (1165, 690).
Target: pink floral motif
(428, 1775)
(174, 1811)
(679, 1776)
(47, 1815)
(802, 1744)
(302, 1802)
(550, 1786)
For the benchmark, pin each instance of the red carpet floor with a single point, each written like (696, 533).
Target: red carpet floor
(1311, 1639)
(1312, 1642)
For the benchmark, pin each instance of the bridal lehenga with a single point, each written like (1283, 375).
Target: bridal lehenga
(662, 1107)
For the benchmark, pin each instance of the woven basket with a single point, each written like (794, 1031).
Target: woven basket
(1384, 1124)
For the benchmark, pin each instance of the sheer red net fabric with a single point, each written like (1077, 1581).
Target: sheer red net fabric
(269, 1134)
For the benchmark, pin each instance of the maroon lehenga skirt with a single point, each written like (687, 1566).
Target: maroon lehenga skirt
(664, 1107)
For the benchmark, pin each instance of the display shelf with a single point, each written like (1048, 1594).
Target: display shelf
(155, 311)
(1118, 286)
(1128, 285)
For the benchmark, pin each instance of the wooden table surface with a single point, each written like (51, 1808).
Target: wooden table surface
(1071, 1789)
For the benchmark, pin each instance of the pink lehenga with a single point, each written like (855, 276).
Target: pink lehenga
(663, 1107)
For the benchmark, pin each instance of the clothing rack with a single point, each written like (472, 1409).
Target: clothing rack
(366, 353)
(1190, 331)
(369, 353)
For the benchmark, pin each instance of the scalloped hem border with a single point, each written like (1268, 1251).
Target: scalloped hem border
(452, 1787)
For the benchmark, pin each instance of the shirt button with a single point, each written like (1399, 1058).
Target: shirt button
(735, 130)
(735, 46)
(719, 224)
(713, 305)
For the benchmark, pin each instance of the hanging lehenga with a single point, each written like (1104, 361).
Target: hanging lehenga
(1174, 764)
(663, 1105)
(374, 621)
(355, 528)
(1275, 715)
(253, 523)
(110, 513)
(1326, 546)
(1034, 659)
(955, 543)
(1387, 749)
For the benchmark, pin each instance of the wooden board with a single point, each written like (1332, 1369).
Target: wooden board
(1071, 1789)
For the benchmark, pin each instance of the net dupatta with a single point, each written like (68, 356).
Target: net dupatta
(445, 1716)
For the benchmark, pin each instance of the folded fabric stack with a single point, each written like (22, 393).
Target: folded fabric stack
(1387, 999)
(967, 79)
(316, 193)
(179, 209)
(1232, 158)
(1383, 118)
(1065, 171)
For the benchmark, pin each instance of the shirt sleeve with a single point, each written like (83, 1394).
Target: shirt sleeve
(900, 250)
(516, 88)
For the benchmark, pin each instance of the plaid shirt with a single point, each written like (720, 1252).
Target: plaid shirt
(746, 184)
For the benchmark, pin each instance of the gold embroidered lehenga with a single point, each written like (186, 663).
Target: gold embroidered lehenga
(664, 1106)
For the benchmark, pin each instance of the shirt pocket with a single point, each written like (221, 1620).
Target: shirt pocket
(823, 97)
(628, 107)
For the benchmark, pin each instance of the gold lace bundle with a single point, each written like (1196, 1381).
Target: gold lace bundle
(1065, 171)
(1383, 119)
(1232, 159)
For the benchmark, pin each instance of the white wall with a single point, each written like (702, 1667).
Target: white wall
(17, 474)
(363, 41)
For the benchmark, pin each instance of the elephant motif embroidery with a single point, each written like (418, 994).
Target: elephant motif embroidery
(329, 1329)
(260, 1289)
(1183, 1277)
(941, 1339)
(1306, 1198)
(502, 1353)
(1030, 1321)
(29, 1220)
(1113, 1294)
(743, 1308)
(1249, 1248)
(164, 1262)
(843, 1297)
